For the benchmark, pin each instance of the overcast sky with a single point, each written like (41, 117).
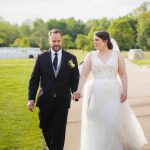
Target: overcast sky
(17, 11)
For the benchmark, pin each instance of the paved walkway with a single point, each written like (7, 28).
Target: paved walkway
(138, 97)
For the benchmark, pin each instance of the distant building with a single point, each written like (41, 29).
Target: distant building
(15, 52)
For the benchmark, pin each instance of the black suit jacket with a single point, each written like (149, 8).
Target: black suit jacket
(62, 85)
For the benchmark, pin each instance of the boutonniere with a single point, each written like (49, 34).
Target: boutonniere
(71, 64)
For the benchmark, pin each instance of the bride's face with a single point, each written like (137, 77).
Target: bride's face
(99, 43)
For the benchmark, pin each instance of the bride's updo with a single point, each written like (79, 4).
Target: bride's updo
(104, 36)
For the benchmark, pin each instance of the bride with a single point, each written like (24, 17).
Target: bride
(108, 122)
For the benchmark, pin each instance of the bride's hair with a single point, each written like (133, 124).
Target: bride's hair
(104, 36)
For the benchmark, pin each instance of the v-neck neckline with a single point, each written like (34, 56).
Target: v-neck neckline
(106, 60)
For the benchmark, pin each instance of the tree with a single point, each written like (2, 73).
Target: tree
(133, 24)
(82, 42)
(8, 33)
(91, 24)
(40, 34)
(123, 33)
(104, 23)
(91, 35)
(67, 42)
(3, 39)
(143, 29)
(140, 10)
(57, 24)
(25, 29)
(75, 27)
(23, 42)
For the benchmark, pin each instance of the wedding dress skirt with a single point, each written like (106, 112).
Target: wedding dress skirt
(108, 124)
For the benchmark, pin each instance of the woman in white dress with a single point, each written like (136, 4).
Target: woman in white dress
(108, 123)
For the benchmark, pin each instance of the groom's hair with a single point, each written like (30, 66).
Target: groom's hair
(54, 31)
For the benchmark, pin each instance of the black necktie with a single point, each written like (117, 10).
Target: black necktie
(55, 61)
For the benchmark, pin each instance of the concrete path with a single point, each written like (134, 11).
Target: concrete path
(138, 97)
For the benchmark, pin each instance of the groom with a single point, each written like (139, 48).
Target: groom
(57, 73)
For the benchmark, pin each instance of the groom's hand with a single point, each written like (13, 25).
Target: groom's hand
(76, 95)
(74, 98)
(30, 105)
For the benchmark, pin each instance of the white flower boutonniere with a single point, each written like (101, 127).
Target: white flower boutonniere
(71, 64)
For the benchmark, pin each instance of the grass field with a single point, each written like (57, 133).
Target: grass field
(144, 62)
(79, 54)
(18, 127)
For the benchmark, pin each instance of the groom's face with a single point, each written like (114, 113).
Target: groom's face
(55, 41)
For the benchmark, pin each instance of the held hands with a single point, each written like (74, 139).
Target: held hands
(77, 95)
(30, 105)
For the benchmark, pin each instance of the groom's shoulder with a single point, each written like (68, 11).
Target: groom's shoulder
(43, 54)
(69, 54)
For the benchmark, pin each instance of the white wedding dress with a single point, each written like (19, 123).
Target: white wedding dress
(107, 124)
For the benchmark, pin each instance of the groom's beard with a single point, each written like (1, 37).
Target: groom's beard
(56, 47)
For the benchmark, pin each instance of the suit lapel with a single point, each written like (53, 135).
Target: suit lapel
(63, 59)
(50, 63)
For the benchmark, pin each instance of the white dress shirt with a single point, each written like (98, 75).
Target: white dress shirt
(59, 55)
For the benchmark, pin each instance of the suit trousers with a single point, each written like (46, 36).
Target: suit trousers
(54, 127)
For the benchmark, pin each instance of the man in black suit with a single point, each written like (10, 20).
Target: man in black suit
(57, 73)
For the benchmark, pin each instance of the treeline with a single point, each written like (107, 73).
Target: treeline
(130, 31)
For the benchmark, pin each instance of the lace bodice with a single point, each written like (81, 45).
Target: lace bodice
(108, 69)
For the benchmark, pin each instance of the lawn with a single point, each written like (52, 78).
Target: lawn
(19, 127)
(125, 54)
(79, 54)
(144, 62)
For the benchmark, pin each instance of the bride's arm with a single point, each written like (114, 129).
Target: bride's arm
(123, 76)
(84, 75)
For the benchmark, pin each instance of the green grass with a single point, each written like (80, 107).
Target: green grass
(144, 62)
(19, 127)
(79, 54)
(125, 54)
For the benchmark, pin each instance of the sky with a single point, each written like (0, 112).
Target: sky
(17, 11)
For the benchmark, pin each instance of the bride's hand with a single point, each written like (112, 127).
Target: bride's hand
(123, 96)
(77, 95)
